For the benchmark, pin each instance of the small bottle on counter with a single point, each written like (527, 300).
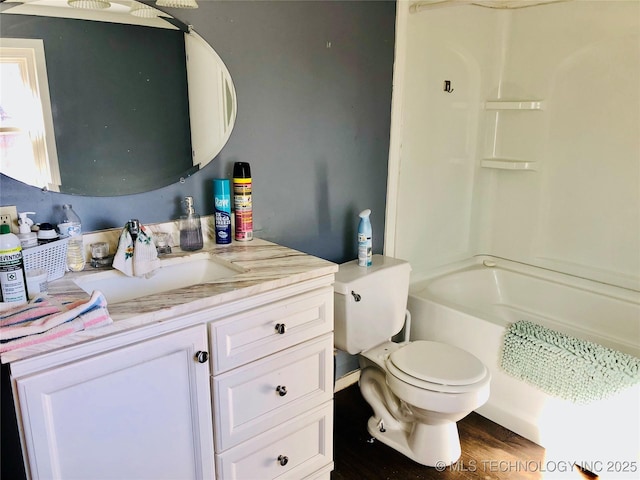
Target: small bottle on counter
(71, 226)
(190, 228)
(27, 237)
(46, 233)
(13, 280)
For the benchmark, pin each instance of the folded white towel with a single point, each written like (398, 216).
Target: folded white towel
(136, 259)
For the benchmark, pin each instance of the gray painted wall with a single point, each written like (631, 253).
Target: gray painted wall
(314, 82)
(313, 122)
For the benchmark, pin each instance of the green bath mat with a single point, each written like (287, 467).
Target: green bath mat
(565, 366)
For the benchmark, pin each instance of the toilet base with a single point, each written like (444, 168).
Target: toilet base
(430, 445)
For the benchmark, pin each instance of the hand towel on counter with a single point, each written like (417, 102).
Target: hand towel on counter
(45, 319)
(123, 259)
(136, 258)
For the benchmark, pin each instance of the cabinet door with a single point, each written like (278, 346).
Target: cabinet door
(142, 411)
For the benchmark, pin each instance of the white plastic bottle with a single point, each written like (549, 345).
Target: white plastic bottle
(71, 226)
(13, 281)
(27, 237)
(365, 244)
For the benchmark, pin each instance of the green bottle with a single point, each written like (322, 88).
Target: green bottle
(13, 281)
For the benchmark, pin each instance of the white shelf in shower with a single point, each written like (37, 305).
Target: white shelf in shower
(514, 105)
(508, 164)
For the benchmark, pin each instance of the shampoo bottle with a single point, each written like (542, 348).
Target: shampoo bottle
(365, 244)
(13, 281)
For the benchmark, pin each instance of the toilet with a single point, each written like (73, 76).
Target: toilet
(418, 390)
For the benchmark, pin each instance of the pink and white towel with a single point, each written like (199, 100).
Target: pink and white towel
(44, 319)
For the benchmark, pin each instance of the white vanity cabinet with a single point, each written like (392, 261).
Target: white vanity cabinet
(273, 390)
(141, 411)
(238, 390)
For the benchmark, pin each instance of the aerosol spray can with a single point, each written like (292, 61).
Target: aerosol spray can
(222, 210)
(365, 239)
(242, 201)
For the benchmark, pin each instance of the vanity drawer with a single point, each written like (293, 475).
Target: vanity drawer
(251, 335)
(296, 449)
(254, 398)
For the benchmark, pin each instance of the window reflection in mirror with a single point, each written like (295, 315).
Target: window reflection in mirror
(93, 134)
(27, 149)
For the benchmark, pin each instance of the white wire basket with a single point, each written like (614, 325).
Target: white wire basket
(51, 257)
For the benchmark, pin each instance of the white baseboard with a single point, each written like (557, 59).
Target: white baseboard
(347, 380)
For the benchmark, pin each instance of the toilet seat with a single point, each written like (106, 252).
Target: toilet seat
(437, 367)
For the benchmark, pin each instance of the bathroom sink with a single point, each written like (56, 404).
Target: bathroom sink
(173, 273)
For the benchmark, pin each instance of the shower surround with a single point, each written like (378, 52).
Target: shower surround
(515, 134)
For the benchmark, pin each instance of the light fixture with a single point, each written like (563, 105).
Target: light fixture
(143, 11)
(177, 3)
(89, 4)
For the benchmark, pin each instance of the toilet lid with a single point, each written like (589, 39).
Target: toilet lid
(438, 363)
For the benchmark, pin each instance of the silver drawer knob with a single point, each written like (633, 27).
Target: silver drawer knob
(281, 328)
(283, 460)
(202, 357)
(282, 390)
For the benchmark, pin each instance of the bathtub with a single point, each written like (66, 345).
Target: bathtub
(470, 305)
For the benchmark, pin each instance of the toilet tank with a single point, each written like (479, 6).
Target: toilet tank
(369, 302)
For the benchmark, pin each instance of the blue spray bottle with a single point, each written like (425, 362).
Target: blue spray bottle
(365, 244)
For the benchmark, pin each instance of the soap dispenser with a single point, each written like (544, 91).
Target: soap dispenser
(27, 237)
(190, 228)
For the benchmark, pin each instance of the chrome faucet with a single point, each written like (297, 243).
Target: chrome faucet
(134, 228)
(100, 256)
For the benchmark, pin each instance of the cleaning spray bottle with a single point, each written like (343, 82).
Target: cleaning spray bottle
(222, 210)
(365, 244)
(242, 201)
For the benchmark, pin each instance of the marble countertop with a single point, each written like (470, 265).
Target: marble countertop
(262, 265)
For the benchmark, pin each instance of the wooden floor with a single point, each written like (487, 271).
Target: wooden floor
(489, 451)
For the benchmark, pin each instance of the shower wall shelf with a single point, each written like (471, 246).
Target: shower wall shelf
(514, 105)
(509, 105)
(508, 164)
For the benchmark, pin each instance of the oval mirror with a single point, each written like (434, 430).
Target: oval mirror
(115, 101)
